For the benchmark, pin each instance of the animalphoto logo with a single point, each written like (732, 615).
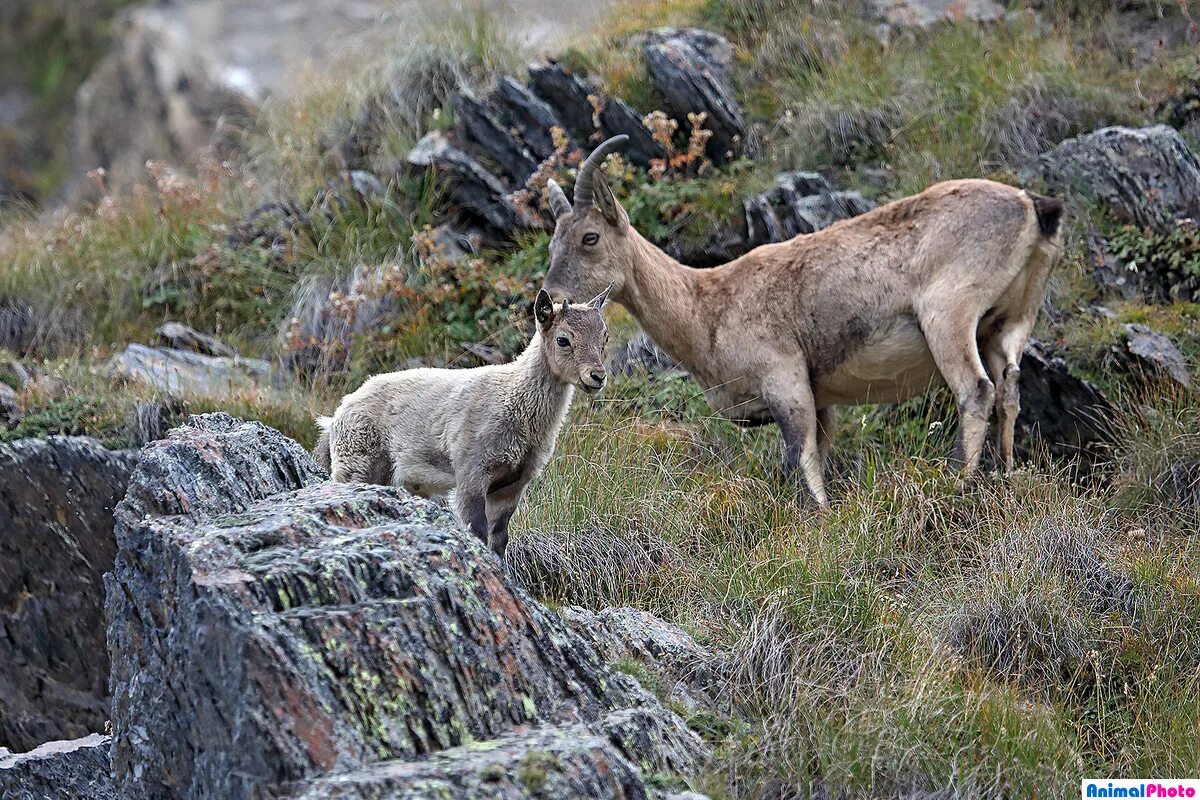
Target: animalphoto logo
(1138, 787)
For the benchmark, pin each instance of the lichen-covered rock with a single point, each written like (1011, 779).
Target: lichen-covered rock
(61, 770)
(1152, 355)
(269, 630)
(57, 497)
(559, 762)
(685, 67)
(692, 675)
(1147, 176)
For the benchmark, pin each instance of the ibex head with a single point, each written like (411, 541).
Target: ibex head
(573, 339)
(591, 247)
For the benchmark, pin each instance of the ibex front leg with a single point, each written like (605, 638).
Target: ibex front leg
(789, 397)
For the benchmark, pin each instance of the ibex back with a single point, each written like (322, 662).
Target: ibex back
(943, 285)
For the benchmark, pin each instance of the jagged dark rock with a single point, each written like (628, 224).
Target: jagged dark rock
(273, 635)
(477, 193)
(520, 110)
(1152, 356)
(484, 134)
(567, 95)
(616, 117)
(184, 337)
(800, 202)
(1059, 411)
(691, 79)
(62, 770)
(1146, 176)
(57, 497)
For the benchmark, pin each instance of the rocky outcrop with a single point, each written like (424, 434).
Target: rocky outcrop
(1152, 356)
(1146, 176)
(474, 192)
(65, 770)
(274, 635)
(690, 68)
(800, 202)
(173, 371)
(57, 497)
(501, 135)
(1061, 412)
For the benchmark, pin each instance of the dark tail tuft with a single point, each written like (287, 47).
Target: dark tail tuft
(1049, 212)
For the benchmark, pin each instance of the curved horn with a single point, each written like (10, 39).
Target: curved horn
(559, 204)
(583, 184)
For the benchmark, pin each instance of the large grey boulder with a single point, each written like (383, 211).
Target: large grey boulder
(1146, 176)
(62, 770)
(57, 497)
(276, 635)
(173, 371)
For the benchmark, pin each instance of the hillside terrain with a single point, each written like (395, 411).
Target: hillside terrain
(927, 636)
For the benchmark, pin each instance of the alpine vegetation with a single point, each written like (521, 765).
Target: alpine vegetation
(484, 433)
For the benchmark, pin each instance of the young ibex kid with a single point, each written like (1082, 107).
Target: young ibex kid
(485, 433)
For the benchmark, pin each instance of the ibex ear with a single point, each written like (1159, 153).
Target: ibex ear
(543, 308)
(606, 201)
(599, 300)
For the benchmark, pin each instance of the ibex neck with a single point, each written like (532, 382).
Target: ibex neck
(541, 393)
(662, 295)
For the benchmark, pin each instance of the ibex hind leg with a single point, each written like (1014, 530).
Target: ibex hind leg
(956, 354)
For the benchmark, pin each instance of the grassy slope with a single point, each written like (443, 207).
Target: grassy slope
(997, 637)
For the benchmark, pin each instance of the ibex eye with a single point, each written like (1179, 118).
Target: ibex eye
(590, 239)
(563, 341)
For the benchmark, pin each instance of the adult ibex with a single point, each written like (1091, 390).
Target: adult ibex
(875, 309)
